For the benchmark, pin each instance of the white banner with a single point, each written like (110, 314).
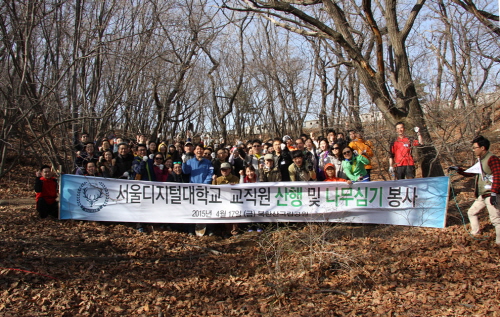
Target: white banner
(415, 202)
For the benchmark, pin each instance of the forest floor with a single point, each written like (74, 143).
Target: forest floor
(74, 268)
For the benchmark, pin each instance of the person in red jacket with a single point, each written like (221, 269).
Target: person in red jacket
(46, 193)
(401, 162)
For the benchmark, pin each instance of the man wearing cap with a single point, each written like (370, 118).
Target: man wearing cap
(188, 152)
(227, 177)
(268, 172)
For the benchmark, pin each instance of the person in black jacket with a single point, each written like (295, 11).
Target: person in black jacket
(123, 161)
(177, 176)
(282, 159)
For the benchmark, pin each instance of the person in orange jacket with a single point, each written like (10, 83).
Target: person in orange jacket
(362, 147)
(330, 175)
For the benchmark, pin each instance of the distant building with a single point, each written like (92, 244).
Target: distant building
(311, 124)
(372, 116)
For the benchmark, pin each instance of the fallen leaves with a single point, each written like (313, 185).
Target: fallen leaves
(313, 269)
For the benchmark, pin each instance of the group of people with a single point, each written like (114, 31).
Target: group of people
(304, 158)
(333, 158)
(279, 159)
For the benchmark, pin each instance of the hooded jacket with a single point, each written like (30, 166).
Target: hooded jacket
(332, 179)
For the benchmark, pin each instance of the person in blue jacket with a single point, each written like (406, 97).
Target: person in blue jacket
(199, 169)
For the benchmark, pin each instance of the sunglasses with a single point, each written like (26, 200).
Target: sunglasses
(256, 146)
(336, 148)
(158, 158)
(177, 163)
(346, 152)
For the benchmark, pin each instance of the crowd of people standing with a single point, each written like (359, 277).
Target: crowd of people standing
(304, 158)
(334, 158)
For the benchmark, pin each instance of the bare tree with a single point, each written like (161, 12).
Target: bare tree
(400, 104)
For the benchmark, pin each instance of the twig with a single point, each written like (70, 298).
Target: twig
(25, 271)
(203, 248)
(335, 291)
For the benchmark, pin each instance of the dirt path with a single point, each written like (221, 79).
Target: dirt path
(17, 201)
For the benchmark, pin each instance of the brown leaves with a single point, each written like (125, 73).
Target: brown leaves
(317, 270)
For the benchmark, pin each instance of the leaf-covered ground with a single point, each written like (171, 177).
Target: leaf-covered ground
(73, 268)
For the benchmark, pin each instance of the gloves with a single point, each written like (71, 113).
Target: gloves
(452, 168)
(391, 169)
(161, 166)
(125, 174)
(145, 158)
(283, 146)
(355, 152)
(416, 129)
(151, 156)
(493, 200)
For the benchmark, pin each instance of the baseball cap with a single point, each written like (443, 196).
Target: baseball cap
(268, 157)
(225, 165)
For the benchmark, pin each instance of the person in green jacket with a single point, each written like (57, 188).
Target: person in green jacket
(354, 165)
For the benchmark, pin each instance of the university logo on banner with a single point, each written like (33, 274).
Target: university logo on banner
(92, 197)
